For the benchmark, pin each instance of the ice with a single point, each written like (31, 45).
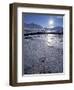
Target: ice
(43, 54)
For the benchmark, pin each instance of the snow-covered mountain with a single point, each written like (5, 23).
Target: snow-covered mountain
(35, 28)
(55, 29)
(32, 25)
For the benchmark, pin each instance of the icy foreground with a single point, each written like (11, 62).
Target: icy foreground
(43, 54)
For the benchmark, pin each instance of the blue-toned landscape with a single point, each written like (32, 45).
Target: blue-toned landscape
(42, 43)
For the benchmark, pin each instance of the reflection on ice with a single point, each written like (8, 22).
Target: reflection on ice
(55, 40)
(49, 40)
(43, 54)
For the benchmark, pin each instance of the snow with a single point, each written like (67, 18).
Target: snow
(43, 54)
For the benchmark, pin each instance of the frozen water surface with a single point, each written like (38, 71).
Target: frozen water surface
(43, 54)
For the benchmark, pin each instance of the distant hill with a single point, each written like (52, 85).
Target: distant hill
(35, 28)
(55, 29)
(32, 25)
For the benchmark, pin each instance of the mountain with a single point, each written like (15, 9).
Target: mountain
(32, 25)
(57, 29)
(35, 28)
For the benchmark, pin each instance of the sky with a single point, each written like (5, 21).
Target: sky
(49, 21)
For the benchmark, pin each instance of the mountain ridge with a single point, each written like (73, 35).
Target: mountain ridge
(33, 28)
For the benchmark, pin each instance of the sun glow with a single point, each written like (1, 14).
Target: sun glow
(51, 23)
